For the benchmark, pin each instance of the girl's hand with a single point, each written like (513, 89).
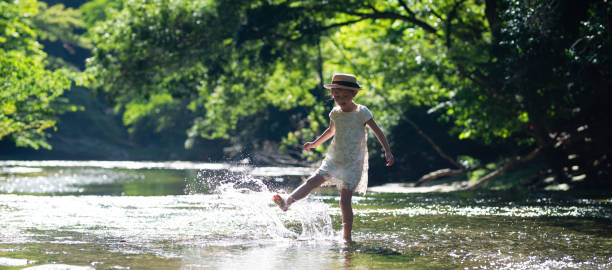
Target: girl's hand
(308, 146)
(390, 159)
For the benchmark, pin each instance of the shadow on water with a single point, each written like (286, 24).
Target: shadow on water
(592, 226)
(356, 247)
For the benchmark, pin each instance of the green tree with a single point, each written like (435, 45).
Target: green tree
(546, 85)
(495, 69)
(30, 93)
(505, 71)
(250, 57)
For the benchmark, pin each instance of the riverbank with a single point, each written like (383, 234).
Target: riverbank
(432, 186)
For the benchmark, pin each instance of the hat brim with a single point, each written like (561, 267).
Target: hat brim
(333, 85)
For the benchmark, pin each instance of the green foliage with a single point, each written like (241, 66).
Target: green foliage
(152, 50)
(531, 92)
(30, 93)
(501, 71)
(279, 55)
(59, 23)
(184, 51)
(95, 11)
(17, 34)
(544, 84)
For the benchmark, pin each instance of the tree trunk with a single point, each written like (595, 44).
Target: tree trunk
(491, 13)
(438, 174)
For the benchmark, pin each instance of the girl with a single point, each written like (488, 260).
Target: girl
(346, 162)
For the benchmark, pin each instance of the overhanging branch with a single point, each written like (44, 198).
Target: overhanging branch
(327, 27)
(394, 16)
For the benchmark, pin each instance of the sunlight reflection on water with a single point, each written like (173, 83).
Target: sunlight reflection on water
(224, 219)
(21, 165)
(65, 180)
(516, 211)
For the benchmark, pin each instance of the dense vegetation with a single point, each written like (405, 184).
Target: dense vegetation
(31, 92)
(478, 86)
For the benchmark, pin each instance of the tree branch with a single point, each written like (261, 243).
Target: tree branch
(478, 78)
(403, 4)
(394, 16)
(372, 8)
(507, 166)
(451, 15)
(427, 138)
(439, 173)
(327, 27)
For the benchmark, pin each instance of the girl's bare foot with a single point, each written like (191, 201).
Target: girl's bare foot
(277, 199)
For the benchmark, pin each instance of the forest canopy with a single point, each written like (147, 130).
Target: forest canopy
(528, 79)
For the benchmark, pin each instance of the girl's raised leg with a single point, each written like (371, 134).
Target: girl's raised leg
(346, 196)
(313, 182)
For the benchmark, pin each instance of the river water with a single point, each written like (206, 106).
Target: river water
(182, 215)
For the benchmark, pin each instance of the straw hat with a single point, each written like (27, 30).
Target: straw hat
(345, 81)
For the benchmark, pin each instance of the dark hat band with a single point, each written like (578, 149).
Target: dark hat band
(349, 84)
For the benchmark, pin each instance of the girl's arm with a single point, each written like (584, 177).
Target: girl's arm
(328, 133)
(383, 141)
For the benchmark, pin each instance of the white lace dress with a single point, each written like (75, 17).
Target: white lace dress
(346, 162)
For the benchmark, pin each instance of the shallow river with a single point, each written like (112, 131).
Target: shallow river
(181, 215)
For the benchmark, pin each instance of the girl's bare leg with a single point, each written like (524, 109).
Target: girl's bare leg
(346, 196)
(313, 182)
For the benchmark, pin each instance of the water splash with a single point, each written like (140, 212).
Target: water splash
(250, 198)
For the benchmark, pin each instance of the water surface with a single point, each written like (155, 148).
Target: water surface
(173, 215)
